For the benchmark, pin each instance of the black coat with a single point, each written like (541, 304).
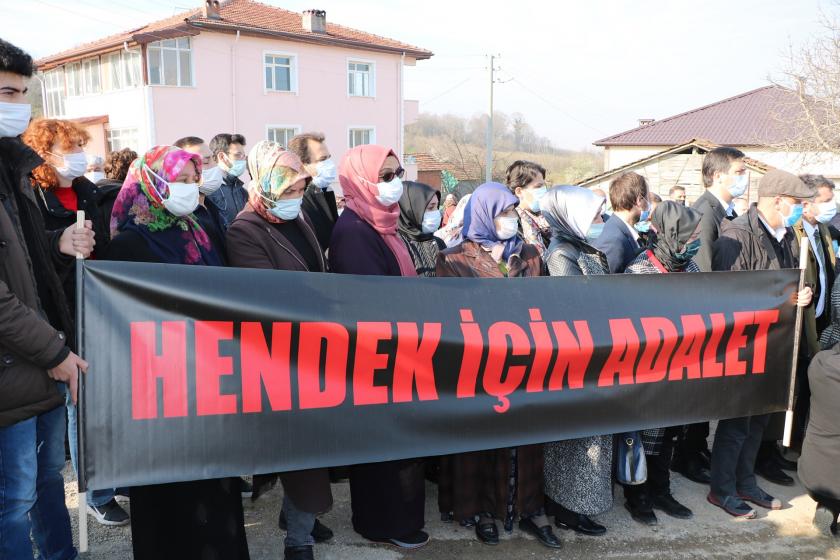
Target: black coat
(819, 464)
(107, 191)
(321, 210)
(617, 244)
(57, 219)
(30, 289)
(745, 244)
(230, 198)
(713, 216)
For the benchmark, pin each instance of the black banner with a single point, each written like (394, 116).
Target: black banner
(207, 372)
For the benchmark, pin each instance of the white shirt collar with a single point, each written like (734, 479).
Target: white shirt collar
(633, 231)
(778, 234)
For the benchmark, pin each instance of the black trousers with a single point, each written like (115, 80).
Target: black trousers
(733, 455)
(833, 504)
(692, 441)
(658, 481)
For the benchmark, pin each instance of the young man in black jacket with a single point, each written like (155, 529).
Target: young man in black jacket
(761, 239)
(37, 365)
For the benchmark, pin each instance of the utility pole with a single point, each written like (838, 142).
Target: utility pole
(488, 162)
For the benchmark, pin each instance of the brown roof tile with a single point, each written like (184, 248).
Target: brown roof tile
(247, 16)
(753, 118)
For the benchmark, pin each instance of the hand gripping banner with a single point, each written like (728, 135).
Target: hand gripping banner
(207, 372)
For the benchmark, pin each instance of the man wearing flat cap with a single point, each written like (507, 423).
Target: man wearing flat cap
(761, 239)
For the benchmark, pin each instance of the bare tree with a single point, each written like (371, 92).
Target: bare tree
(808, 118)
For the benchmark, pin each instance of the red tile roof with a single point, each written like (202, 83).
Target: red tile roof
(248, 17)
(754, 118)
(429, 162)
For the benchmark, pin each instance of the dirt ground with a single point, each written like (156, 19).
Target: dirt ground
(711, 534)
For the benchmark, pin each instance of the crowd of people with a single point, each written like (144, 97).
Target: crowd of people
(191, 203)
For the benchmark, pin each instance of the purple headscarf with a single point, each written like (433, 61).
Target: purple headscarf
(486, 203)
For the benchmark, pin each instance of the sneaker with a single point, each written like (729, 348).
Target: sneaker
(760, 498)
(414, 540)
(825, 522)
(122, 496)
(734, 506)
(246, 488)
(110, 514)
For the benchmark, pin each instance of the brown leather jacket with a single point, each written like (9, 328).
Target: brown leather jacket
(470, 260)
(28, 344)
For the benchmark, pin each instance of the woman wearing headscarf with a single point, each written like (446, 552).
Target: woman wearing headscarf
(671, 248)
(152, 222)
(387, 498)
(449, 204)
(498, 484)
(271, 232)
(578, 472)
(451, 232)
(419, 219)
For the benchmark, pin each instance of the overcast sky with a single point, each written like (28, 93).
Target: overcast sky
(578, 70)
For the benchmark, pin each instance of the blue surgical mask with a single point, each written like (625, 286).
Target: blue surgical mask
(689, 251)
(739, 187)
(287, 209)
(645, 215)
(595, 231)
(536, 196)
(794, 216)
(827, 211)
(643, 226)
(326, 174)
(237, 167)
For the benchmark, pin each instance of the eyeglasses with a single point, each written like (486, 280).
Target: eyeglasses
(388, 176)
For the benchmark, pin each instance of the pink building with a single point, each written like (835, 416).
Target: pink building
(236, 66)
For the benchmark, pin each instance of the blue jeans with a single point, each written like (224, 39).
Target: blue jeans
(95, 498)
(32, 489)
(299, 525)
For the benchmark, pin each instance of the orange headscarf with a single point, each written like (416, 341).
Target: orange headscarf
(358, 175)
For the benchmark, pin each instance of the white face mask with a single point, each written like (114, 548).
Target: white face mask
(14, 118)
(74, 165)
(211, 180)
(827, 210)
(182, 199)
(431, 221)
(506, 227)
(390, 193)
(94, 176)
(327, 173)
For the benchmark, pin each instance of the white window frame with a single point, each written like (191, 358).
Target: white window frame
(296, 128)
(86, 72)
(353, 128)
(107, 60)
(293, 72)
(54, 83)
(136, 80)
(122, 69)
(129, 132)
(159, 48)
(74, 68)
(371, 78)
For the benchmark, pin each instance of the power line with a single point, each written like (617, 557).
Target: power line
(450, 90)
(556, 107)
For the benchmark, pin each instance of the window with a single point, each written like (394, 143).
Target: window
(112, 72)
(359, 136)
(90, 76)
(74, 79)
(54, 92)
(360, 76)
(132, 72)
(170, 62)
(119, 138)
(280, 72)
(281, 134)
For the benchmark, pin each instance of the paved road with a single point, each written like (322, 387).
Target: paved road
(710, 535)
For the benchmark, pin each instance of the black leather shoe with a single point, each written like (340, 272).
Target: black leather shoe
(693, 470)
(769, 470)
(542, 534)
(672, 507)
(642, 513)
(783, 463)
(298, 553)
(320, 532)
(584, 525)
(487, 532)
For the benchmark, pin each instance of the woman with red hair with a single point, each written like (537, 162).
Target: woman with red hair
(60, 185)
(387, 498)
